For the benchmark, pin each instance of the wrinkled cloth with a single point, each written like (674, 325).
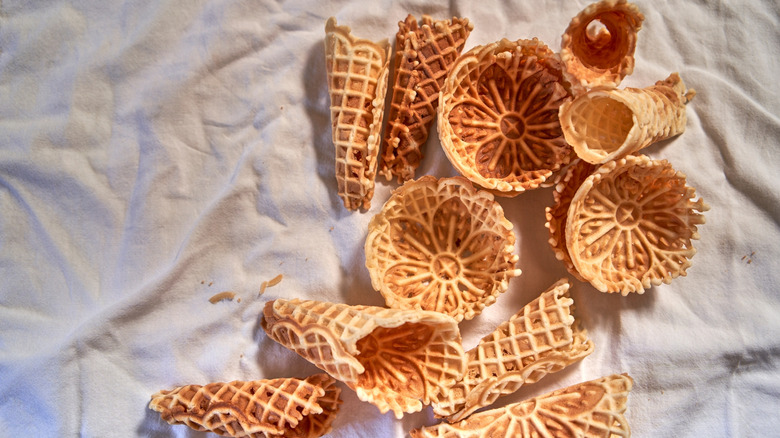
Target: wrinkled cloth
(154, 154)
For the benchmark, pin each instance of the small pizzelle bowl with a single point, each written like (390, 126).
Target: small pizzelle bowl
(631, 223)
(441, 245)
(498, 116)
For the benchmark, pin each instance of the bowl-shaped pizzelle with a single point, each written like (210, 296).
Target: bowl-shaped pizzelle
(498, 116)
(441, 245)
(630, 225)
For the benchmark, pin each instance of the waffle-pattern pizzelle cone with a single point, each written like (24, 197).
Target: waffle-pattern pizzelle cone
(605, 124)
(398, 360)
(594, 409)
(541, 338)
(630, 225)
(566, 185)
(260, 408)
(357, 82)
(441, 245)
(498, 116)
(424, 54)
(597, 49)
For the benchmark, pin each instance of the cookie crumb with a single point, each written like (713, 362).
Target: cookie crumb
(227, 295)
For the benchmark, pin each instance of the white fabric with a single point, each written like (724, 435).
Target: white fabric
(155, 153)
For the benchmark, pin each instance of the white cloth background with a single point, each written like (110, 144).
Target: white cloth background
(155, 153)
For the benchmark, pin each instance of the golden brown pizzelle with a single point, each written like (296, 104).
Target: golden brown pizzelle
(567, 183)
(288, 407)
(357, 81)
(424, 54)
(631, 223)
(441, 245)
(605, 124)
(498, 116)
(542, 338)
(594, 409)
(397, 360)
(597, 49)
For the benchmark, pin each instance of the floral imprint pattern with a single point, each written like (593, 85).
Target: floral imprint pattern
(441, 245)
(631, 223)
(498, 118)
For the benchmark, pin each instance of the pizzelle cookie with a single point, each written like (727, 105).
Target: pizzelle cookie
(260, 408)
(567, 183)
(441, 245)
(597, 49)
(498, 116)
(594, 409)
(397, 360)
(357, 82)
(424, 54)
(630, 225)
(542, 338)
(606, 124)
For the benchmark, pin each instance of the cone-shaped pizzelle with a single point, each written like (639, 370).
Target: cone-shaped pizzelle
(398, 360)
(605, 124)
(357, 82)
(288, 407)
(424, 55)
(594, 409)
(630, 225)
(597, 49)
(442, 245)
(542, 338)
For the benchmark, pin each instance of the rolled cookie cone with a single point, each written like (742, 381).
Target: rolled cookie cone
(424, 55)
(594, 409)
(397, 360)
(357, 81)
(598, 47)
(260, 408)
(606, 124)
(542, 338)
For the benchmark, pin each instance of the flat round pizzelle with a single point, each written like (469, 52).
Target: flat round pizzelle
(498, 116)
(598, 47)
(441, 245)
(630, 225)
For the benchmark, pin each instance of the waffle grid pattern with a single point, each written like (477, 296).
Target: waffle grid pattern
(592, 409)
(542, 338)
(423, 58)
(328, 335)
(570, 180)
(604, 125)
(357, 81)
(260, 408)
